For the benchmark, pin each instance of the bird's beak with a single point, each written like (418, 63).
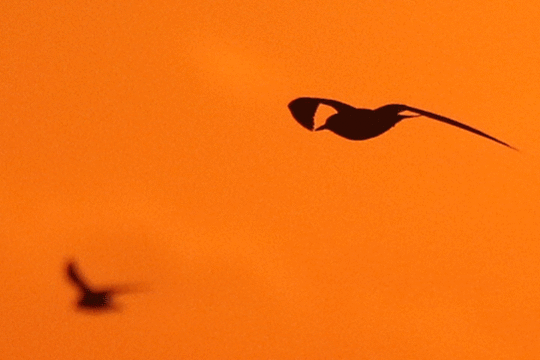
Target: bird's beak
(322, 127)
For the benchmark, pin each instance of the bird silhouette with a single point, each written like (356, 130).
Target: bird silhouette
(361, 124)
(91, 299)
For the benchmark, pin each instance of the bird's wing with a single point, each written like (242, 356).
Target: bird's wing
(303, 109)
(446, 120)
(75, 277)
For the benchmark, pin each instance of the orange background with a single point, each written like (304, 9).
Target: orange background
(152, 143)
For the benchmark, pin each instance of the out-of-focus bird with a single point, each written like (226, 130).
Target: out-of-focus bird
(361, 124)
(92, 299)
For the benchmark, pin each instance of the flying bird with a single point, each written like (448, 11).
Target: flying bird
(90, 298)
(361, 124)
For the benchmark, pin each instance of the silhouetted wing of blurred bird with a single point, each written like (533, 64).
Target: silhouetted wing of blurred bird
(399, 108)
(303, 109)
(91, 299)
(74, 276)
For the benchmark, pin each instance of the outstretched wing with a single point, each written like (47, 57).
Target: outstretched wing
(400, 108)
(74, 276)
(303, 109)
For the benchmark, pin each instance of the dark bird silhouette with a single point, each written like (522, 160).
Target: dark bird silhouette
(361, 124)
(92, 299)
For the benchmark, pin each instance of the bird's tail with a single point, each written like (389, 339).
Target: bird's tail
(461, 126)
(399, 108)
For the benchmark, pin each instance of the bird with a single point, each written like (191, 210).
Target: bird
(361, 124)
(91, 299)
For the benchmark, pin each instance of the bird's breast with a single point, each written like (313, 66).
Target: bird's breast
(358, 125)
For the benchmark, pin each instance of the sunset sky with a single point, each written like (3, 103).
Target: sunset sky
(151, 142)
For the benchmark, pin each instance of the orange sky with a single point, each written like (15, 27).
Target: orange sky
(153, 144)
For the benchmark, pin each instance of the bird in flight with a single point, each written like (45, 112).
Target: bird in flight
(361, 124)
(91, 299)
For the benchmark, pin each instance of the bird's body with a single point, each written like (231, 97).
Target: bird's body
(361, 124)
(91, 299)
(95, 299)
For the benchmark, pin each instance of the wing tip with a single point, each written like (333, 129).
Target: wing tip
(303, 111)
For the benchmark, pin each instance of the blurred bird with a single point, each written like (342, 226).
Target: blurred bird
(361, 124)
(93, 299)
